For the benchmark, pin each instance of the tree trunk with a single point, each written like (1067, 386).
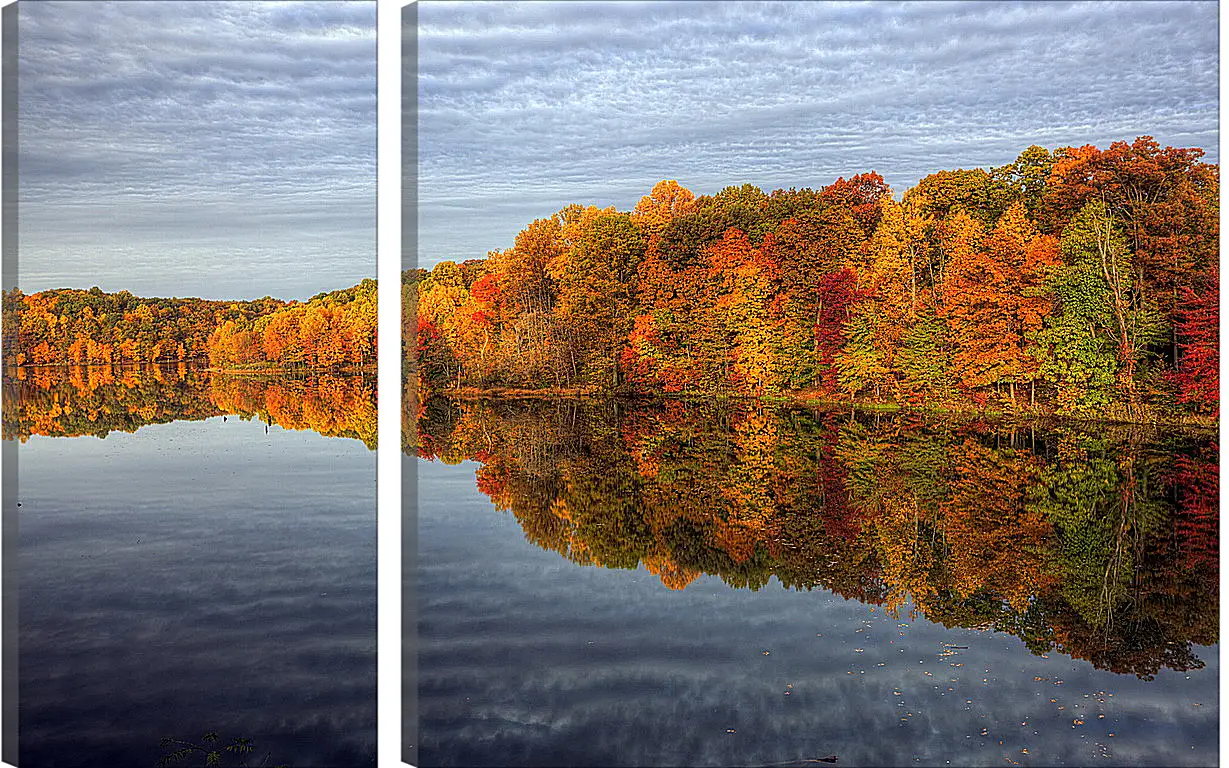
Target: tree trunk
(912, 284)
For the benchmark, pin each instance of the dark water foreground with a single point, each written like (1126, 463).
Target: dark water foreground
(209, 565)
(602, 584)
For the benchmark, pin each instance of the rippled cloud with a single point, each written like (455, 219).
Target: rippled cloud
(225, 150)
(524, 108)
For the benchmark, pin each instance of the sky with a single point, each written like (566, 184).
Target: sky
(525, 108)
(219, 150)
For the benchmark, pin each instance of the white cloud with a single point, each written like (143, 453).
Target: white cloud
(524, 108)
(197, 148)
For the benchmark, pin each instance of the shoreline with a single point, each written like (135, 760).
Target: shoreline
(813, 401)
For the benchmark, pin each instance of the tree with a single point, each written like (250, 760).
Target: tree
(1198, 374)
(837, 294)
(596, 285)
(667, 202)
(861, 195)
(1104, 310)
(974, 293)
(744, 276)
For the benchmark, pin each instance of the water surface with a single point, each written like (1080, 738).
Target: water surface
(200, 567)
(669, 585)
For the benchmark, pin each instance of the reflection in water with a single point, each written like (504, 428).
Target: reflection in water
(96, 400)
(1098, 543)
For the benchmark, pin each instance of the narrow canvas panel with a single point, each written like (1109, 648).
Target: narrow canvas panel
(190, 384)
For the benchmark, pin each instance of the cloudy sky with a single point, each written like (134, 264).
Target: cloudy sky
(524, 108)
(222, 150)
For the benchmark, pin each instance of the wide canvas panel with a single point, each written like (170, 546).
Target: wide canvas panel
(801, 383)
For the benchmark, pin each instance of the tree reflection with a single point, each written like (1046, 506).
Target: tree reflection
(1096, 542)
(97, 400)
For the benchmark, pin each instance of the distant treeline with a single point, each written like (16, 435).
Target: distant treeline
(77, 327)
(1080, 280)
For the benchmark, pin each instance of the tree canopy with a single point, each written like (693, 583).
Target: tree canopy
(1079, 280)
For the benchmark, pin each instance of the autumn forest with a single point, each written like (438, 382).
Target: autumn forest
(335, 330)
(1078, 282)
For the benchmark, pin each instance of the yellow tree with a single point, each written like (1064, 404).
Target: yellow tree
(666, 202)
(1021, 257)
(879, 320)
(596, 280)
(745, 278)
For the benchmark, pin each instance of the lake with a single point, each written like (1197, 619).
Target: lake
(207, 565)
(662, 584)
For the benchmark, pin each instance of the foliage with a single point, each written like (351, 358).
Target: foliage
(74, 327)
(1074, 281)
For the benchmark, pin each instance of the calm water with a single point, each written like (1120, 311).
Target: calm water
(194, 570)
(660, 585)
